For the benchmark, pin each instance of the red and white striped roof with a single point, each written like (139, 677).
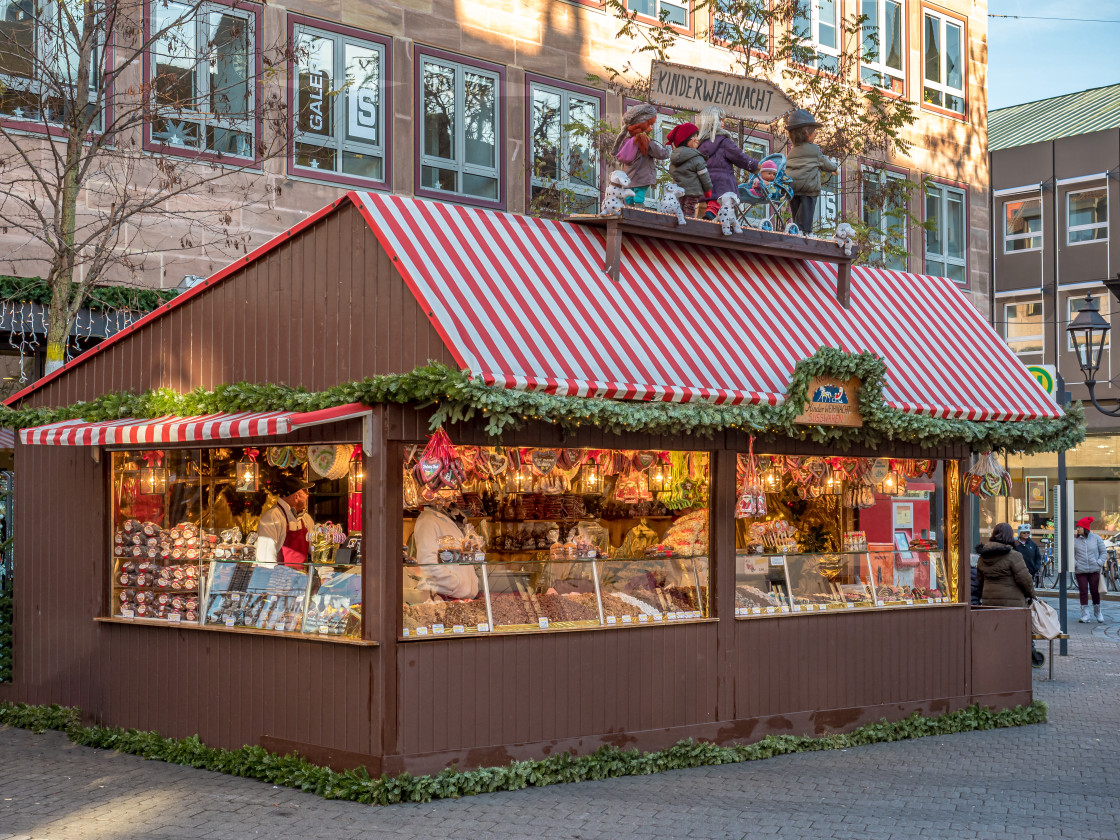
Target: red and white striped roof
(170, 429)
(524, 303)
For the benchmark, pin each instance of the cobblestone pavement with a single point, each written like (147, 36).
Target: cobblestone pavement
(1045, 781)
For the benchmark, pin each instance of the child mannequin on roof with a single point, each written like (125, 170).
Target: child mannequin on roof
(687, 167)
(637, 152)
(723, 154)
(803, 166)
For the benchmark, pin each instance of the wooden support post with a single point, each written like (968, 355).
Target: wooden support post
(613, 259)
(844, 284)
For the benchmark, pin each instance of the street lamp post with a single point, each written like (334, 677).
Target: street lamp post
(1089, 331)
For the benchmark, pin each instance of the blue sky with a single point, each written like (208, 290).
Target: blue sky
(1035, 59)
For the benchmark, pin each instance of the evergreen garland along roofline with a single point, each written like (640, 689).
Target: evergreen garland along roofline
(100, 298)
(458, 398)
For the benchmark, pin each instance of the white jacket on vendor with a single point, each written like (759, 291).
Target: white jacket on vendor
(1089, 554)
(449, 580)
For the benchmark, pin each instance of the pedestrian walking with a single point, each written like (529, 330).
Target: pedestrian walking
(1089, 557)
(1001, 572)
(1032, 554)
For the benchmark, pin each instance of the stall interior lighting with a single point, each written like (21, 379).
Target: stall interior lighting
(889, 487)
(772, 480)
(591, 477)
(357, 475)
(248, 476)
(153, 480)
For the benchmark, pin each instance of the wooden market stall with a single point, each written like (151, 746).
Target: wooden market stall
(627, 586)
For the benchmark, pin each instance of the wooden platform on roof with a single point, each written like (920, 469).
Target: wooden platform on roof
(634, 221)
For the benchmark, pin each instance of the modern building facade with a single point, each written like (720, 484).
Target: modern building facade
(1055, 165)
(467, 101)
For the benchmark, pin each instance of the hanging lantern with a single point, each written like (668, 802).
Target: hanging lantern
(524, 478)
(889, 485)
(833, 484)
(591, 477)
(357, 472)
(656, 479)
(772, 480)
(248, 475)
(153, 476)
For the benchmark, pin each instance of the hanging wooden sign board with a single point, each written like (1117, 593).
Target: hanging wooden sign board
(832, 402)
(693, 89)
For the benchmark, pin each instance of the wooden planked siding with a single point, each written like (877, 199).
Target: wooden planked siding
(484, 692)
(851, 659)
(324, 308)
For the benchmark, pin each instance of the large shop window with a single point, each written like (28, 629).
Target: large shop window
(818, 534)
(817, 24)
(883, 45)
(203, 67)
(1087, 216)
(674, 13)
(946, 247)
(460, 142)
(240, 538)
(505, 540)
(1022, 225)
(340, 106)
(39, 62)
(884, 212)
(944, 62)
(1022, 326)
(563, 154)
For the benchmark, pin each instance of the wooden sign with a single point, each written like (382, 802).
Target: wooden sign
(832, 402)
(693, 89)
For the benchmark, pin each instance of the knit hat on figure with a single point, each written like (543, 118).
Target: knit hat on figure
(681, 134)
(1085, 522)
(767, 165)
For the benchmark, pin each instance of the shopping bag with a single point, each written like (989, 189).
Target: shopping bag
(628, 151)
(1044, 620)
(1102, 585)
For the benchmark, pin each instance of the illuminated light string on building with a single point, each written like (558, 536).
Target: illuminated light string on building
(1062, 19)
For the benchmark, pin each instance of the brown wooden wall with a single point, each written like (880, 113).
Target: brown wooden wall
(323, 308)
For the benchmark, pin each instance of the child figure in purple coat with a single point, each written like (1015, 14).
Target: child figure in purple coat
(723, 154)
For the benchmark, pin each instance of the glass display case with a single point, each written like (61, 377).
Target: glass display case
(184, 541)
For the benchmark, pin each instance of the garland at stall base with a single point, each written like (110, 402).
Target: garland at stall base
(607, 762)
(457, 397)
(7, 602)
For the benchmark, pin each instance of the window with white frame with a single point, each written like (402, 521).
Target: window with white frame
(946, 240)
(1076, 302)
(943, 52)
(743, 23)
(817, 23)
(1087, 216)
(883, 197)
(203, 73)
(1022, 326)
(561, 150)
(674, 13)
(459, 142)
(1022, 225)
(39, 57)
(339, 118)
(883, 47)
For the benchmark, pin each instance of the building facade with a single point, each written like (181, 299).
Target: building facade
(1055, 165)
(467, 101)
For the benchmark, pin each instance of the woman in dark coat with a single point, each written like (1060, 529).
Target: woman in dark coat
(1001, 572)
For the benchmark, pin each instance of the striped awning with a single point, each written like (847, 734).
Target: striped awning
(170, 429)
(524, 303)
(7, 438)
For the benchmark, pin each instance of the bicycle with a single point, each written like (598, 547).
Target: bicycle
(1047, 571)
(1112, 571)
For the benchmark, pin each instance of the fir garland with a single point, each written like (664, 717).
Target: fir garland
(605, 763)
(456, 398)
(36, 290)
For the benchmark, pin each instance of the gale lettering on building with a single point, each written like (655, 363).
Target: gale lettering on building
(361, 108)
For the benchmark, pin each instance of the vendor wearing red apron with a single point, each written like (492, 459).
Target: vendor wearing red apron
(283, 533)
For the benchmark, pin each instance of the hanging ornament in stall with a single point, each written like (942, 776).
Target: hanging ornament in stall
(439, 469)
(987, 477)
(153, 477)
(751, 501)
(248, 472)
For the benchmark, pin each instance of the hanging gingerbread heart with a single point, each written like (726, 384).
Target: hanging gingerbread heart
(498, 462)
(428, 470)
(544, 460)
(644, 459)
(575, 457)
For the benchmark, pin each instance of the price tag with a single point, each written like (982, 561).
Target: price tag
(612, 620)
(627, 619)
(406, 632)
(738, 611)
(909, 602)
(771, 610)
(174, 618)
(797, 608)
(127, 613)
(229, 621)
(878, 603)
(484, 627)
(437, 629)
(421, 631)
(849, 606)
(643, 619)
(542, 622)
(757, 610)
(658, 617)
(942, 600)
(785, 609)
(929, 600)
(777, 561)
(324, 630)
(459, 629)
(235, 597)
